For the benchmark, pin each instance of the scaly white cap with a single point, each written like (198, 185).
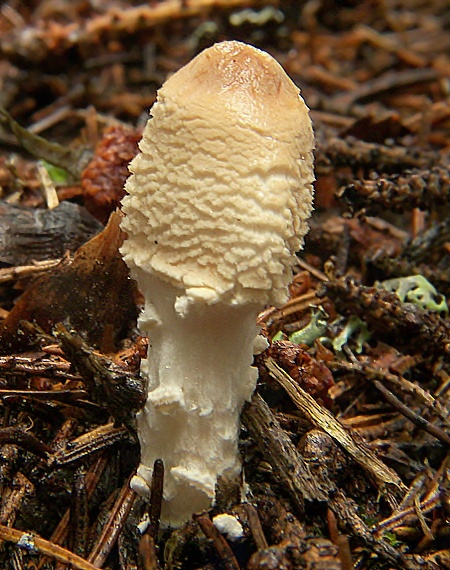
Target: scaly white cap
(219, 196)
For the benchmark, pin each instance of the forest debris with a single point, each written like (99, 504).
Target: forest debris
(403, 324)
(295, 476)
(112, 386)
(79, 514)
(416, 188)
(104, 177)
(413, 416)
(255, 527)
(23, 271)
(333, 152)
(89, 443)
(387, 83)
(35, 364)
(430, 501)
(402, 266)
(224, 552)
(425, 255)
(341, 541)
(113, 527)
(24, 439)
(34, 44)
(13, 497)
(30, 235)
(346, 510)
(48, 187)
(372, 128)
(147, 544)
(379, 375)
(92, 477)
(313, 375)
(386, 479)
(290, 547)
(293, 471)
(72, 160)
(36, 544)
(93, 292)
(428, 243)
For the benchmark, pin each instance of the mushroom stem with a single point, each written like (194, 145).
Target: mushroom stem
(199, 376)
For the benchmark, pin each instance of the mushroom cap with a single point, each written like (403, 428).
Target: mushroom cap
(220, 193)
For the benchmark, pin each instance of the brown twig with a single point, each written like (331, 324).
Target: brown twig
(113, 527)
(15, 273)
(89, 443)
(91, 480)
(225, 553)
(296, 474)
(255, 526)
(147, 545)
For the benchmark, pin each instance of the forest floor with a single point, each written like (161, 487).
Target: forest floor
(345, 446)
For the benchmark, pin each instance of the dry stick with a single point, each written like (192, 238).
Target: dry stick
(432, 500)
(88, 443)
(91, 480)
(295, 305)
(21, 488)
(118, 516)
(320, 417)
(254, 523)
(156, 497)
(220, 544)
(377, 376)
(269, 436)
(147, 551)
(13, 273)
(278, 449)
(416, 419)
(147, 544)
(79, 514)
(36, 544)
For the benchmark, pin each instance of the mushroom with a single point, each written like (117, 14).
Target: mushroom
(216, 207)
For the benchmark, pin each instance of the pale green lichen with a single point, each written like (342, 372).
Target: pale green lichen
(356, 328)
(316, 328)
(418, 290)
(279, 336)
